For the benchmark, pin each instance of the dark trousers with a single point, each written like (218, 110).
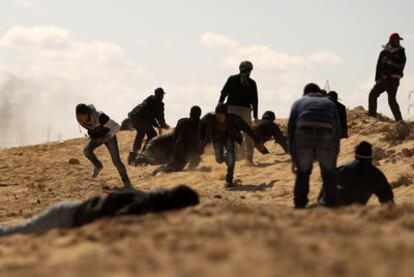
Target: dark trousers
(391, 87)
(113, 149)
(314, 145)
(144, 128)
(224, 151)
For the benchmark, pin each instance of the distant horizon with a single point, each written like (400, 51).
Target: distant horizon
(115, 54)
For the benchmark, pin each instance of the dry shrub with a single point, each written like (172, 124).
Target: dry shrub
(404, 180)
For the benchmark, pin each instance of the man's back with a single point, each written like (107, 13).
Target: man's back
(150, 108)
(359, 180)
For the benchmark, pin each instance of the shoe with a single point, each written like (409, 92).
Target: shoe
(229, 185)
(132, 157)
(96, 171)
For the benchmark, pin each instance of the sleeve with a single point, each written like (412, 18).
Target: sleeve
(279, 138)
(378, 72)
(243, 126)
(292, 126)
(161, 117)
(384, 191)
(109, 124)
(225, 91)
(255, 101)
(344, 122)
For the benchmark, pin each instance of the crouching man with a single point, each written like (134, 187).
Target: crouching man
(102, 131)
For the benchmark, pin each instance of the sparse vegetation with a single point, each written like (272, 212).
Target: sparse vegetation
(404, 180)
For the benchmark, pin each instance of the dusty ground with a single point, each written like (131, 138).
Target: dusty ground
(252, 231)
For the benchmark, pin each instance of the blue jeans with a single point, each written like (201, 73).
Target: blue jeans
(112, 146)
(224, 152)
(315, 145)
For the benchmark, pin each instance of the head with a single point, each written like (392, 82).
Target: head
(221, 112)
(363, 151)
(82, 113)
(246, 68)
(395, 39)
(159, 93)
(269, 115)
(195, 112)
(311, 88)
(182, 196)
(333, 96)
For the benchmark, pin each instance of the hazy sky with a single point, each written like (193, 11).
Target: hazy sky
(57, 53)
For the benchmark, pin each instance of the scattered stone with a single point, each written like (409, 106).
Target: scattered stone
(407, 152)
(217, 196)
(74, 161)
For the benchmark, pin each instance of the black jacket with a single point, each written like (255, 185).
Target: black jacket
(396, 55)
(358, 180)
(342, 118)
(211, 130)
(128, 203)
(159, 149)
(239, 95)
(152, 110)
(186, 144)
(266, 130)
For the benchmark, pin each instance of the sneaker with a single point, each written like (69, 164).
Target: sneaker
(96, 171)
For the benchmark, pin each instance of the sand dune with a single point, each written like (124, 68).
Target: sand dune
(252, 231)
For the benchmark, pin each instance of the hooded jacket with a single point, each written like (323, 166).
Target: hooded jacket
(398, 59)
(211, 130)
(151, 110)
(100, 125)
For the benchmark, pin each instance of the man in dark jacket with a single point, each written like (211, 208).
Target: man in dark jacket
(358, 180)
(266, 129)
(223, 130)
(102, 131)
(144, 118)
(178, 148)
(341, 113)
(314, 135)
(390, 70)
(72, 214)
(241, 93)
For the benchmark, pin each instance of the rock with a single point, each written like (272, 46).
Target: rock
(407, 152)
(217, 196)
(74, 161)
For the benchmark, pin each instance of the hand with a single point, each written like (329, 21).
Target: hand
(293, 168)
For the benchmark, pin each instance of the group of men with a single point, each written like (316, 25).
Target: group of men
(317, 123)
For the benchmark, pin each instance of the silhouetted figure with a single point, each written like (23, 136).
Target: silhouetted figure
(358, 180)
(144, 118)
(390, 70)
(102, 131)
(241, 93)
(158, 151)
(314, 135)
(186, 142)
(341, 109)
(266, 129)
(223, 129)
(71, 214)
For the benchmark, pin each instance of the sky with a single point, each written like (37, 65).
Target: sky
(55, 54)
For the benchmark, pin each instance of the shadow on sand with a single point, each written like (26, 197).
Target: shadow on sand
(253, 188)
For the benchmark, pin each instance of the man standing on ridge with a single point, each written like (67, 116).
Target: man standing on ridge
(144, 118)
(390, 70)
(314, 135)
(241, 93)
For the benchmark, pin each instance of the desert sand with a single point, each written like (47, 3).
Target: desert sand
(251, 231)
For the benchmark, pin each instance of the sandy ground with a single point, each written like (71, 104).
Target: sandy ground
(252, 231)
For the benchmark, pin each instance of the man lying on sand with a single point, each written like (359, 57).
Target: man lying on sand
(102, 131)
(359, 179)
(71, 214)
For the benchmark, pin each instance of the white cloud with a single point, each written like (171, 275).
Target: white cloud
(26, 3)
(325, 57)
(215, 40)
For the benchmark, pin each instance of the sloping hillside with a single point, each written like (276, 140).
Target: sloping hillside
(251, 231)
